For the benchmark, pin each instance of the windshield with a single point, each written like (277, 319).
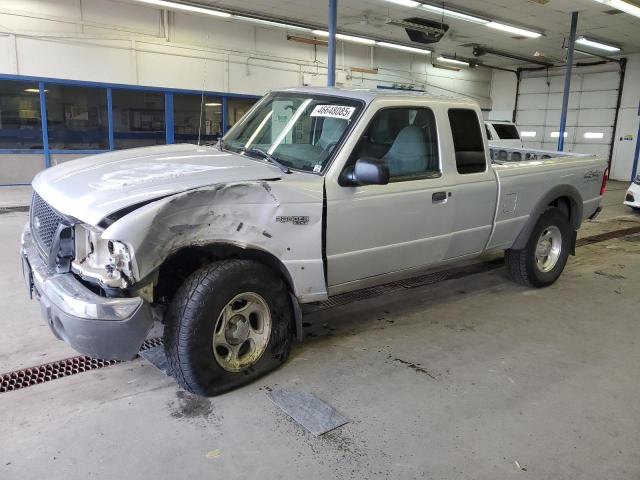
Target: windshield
(297, 130)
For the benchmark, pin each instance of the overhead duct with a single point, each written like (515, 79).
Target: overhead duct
(421, 30)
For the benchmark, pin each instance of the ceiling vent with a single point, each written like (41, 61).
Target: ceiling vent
(421, 30)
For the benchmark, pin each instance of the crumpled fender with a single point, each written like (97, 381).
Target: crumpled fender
(282, 218)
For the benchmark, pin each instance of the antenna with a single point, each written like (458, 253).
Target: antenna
(204, 83)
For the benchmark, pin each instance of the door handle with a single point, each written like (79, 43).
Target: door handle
(438, 197)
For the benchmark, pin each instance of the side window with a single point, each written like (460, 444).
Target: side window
(406, 139)
(467, 141)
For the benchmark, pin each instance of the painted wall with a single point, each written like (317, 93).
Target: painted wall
(503, 94)
(121, 42)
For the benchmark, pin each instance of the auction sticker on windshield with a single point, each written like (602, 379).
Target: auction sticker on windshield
(333, 111)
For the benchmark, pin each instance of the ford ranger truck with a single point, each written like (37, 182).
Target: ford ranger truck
(314, 192)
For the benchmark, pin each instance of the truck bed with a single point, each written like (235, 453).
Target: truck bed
(501, 154)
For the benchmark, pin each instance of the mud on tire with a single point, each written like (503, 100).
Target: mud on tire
(195, 312)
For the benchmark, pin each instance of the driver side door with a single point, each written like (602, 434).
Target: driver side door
(376, 230)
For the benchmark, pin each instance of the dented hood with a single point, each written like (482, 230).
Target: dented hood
(91, 188)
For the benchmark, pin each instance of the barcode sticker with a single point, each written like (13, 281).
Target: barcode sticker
(333, 111)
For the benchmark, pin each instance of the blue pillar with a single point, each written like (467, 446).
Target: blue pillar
(225, 114)
(110, 118)
(45, 131)
(333, 20)
(634, 168)
(567, 80)
(168, 117)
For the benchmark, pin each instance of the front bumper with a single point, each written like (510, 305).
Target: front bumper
(632, 197)
(100, 327)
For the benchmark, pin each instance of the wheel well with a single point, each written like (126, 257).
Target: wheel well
(566, 205)
(177, 268)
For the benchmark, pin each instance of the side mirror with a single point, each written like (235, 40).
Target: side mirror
(369, 171)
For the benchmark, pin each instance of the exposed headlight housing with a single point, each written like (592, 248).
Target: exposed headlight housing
(637, 179)
(105, 262)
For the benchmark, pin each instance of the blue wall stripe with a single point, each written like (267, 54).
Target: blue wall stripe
(122, 86)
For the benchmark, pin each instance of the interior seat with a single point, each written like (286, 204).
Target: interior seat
(408, 153)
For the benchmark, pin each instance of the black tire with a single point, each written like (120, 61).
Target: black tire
(194, 311)
(636, 209)
(522, 265)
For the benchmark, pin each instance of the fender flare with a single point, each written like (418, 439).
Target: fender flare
(575, 217)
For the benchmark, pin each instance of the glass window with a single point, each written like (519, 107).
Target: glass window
(236, 108)
(300, 130)
(506, 131)
(189, 123)
(467, 141)
(20, 123)
(77, 118)
(138, 118)
(406, 139)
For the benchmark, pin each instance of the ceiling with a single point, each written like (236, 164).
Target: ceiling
(368, 17)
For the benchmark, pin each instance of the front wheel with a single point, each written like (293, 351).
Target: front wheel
(543, 259)
(230, 323)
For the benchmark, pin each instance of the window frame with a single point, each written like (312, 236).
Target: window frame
(399, 178)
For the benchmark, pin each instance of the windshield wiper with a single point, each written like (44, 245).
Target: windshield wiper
(268, 157)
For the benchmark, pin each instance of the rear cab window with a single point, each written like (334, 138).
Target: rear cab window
(467, 141)
(506, 131)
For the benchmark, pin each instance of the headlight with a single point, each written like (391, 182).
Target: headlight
(105, 262)
(637, 179)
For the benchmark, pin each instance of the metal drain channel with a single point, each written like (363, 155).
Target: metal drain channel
(28, 377)
(607, 236)
(13, 209)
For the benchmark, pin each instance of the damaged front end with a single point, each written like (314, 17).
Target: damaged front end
(104, 263)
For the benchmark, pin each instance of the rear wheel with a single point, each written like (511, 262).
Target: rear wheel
(543, 259)
(230, 323)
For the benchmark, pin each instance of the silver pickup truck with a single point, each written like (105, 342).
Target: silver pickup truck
(313, 193)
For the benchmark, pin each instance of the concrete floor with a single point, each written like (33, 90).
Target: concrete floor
(475, 378)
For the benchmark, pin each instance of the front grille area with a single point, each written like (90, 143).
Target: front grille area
(44, 222)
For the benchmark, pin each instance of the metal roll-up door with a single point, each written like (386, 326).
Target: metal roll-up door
(591, 114)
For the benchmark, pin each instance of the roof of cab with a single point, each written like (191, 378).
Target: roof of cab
(369, 94)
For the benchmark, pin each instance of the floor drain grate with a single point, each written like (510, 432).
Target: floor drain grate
(28, 377)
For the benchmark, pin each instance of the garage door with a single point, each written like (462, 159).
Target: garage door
(591, 115)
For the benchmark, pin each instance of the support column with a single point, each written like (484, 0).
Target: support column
(333, 20)
(567, 81)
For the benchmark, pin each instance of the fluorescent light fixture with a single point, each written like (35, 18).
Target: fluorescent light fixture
(346, 38)
(33, 90)
(622, 6)
(403, 47)
(515, 30)
(270, 23)
(595, 44)
(405, 3)
(453, 13)
(528, 134)
(185, 7)
(212, 104)
(593, 134)
(453, 60)
(557, 134)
